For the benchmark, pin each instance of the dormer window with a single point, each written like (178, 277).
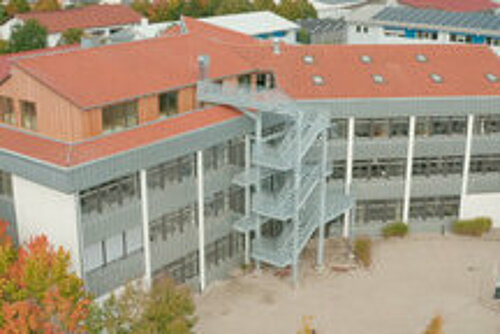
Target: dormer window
(308, 59)
(421, 58)
(436, 78)
(378, 79)
(318, 80)
(492, 77)
(366, 59)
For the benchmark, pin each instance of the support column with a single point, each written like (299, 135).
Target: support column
(322, 203)
(348, 176)
(409, 170)
(258, 143)
(248, 193)
(201, 219)
(145, 227)
(296, 217)
(466, 167)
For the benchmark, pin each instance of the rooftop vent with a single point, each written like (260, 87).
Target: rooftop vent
(308, 59)
(366, 59)
(436, 78)
(378, 79)
(492, 78)
(318, 80)
(421, 58)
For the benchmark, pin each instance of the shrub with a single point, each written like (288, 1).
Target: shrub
(397, 229)
(363, 250)
(473, 227)
(435, 326)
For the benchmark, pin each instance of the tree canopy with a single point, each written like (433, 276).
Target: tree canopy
(72, 36)
(47, 5)
(38, 294)
(18, 6)
(28, 36)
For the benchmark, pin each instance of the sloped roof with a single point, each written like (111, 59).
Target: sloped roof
(432, 17)
(453, 5)
(84, 17)
(72, 154)
(252, 23)
(102, 75)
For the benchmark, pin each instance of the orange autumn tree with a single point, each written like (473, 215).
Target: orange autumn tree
(38, 293)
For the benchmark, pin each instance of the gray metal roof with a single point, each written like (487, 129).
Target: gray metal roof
(482, 21)
(322, 25)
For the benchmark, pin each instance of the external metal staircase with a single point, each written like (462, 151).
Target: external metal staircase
(298, 152)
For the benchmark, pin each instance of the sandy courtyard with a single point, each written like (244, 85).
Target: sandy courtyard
(410, 281)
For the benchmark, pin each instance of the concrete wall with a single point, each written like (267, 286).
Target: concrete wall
(482, 205)
(41, 210)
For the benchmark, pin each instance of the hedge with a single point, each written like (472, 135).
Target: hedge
(363, 250)
(397, 229)
(473, 227)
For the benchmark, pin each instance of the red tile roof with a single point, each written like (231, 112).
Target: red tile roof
(453, 5)
(7, 59)
(85, 17)
(346, 76)
(69, 155)
(102, 75)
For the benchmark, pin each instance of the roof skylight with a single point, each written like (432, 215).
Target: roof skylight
(378, 79)
(436, 78)
(318, 80)
(421, 58)
(308, 59)
(492, 78)
(366, 59)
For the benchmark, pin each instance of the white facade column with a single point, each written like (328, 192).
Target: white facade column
(348, 171)
(258, 143)
(466, 167)
(145, 227)
(248, 195)
(321, 231)
(409, 169)
(201, 219)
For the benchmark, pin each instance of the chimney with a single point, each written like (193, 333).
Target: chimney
(276, 46)
(203, 67)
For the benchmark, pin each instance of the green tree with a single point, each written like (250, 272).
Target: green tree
(296, 9)
(18, 6)
(211, 7)
(47, 5)
(194, 8)
(4, 16)
(72, 36)
(28, 36)
(303, 36)
(234, 7)
(159, 11)
(141, 6)
(38, 294)
(166, 308)
(4, 46)
(264, 5)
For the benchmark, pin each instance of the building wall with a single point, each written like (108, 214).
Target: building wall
(482, 205)
(41, 210)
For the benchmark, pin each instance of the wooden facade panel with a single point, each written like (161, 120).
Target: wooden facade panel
(149, 109)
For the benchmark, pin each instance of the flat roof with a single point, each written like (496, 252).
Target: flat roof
(454, 5)
(252, 23)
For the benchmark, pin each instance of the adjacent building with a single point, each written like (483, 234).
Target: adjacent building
(95, 20)
(401, 24)
(192, 153)
(261, 25)
(325, 31)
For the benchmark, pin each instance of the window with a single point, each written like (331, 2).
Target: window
(168, 103)
(394, 32)
(7, 110)
(245, 82)
(492, 77)
(308, 59)
(133, 239)
(366, 59)
(378, 79)
(460, 38)
(28, 115)
(436, 78)
(318, 80)
(114, 248)
(119, 116)
(487, 124)
(421, 58)
(430, 35)
(265, 81)
(93, 257)
(5, 184)
(362, 29)
(338, 129)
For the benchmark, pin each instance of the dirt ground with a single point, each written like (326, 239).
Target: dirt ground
(411, 281)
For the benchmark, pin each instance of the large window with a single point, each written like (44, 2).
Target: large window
(28, 115)
(442, 165)
(337, 129)
(172, 172)
(434, 207)
(119, 116)
(245, 82)
(381, 127)
(483, 164)
(378, 210)
(7, 110)
(5, 184)
(487, 124)
(378, 168)
(168, 103)
(109, 195)
(440, 125)
(265, 81)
